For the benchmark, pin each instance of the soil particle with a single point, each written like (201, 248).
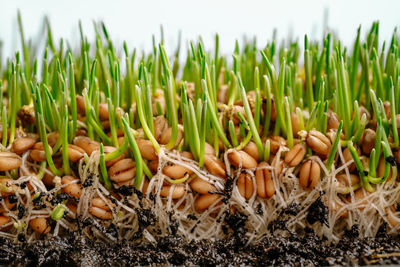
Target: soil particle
(146, 217)
(317, 212)
(12, 199)
(21, 211)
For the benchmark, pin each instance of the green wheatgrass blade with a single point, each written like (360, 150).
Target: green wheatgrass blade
(393, 115)
(385, 121)
(43, 135)
(116, 86)
(188, 142)
(278, 94)
(25, 49)
(257, 109)
(203, 132)
(13, 109)
(233, 89)
(375, 104)
(357, 135)
(372, 168)
(355, 61)
(313, 115)
(332, 152)
(380, 90)
(198, 112)
(64, 137)
(92, 78)
(211, 90)
(232, 133)
(51, 110)
(308, 72)
(42, 170)
(147, 100)
(356, 118)
(267, 117)
(364, 179)
(50, 37)
(118, 152)
(344, 93)
(98, 128)
(53, 168)
(4, 125)
(289, 132)
(320, 115)
(26, 96)
(300, 119)
(72, 91)
(136, 153)
(173, 112)
(142, 119)
(389, 160)
(214, 120)
(267, 150)
(319, 77)
(387, 154)
(195, 130)
(324, 121)
(103, 168)
(185, 120)
(365, 70)
(88, 113)
(245, 141)
(85, 75)
(378, 141)
(397, 86)
(250, 119)
(111, 114)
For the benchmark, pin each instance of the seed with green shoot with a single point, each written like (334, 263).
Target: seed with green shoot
(206, 200)
(123, 171)
(214, 165)
(75, 153)
(22, 144)
(92, 124)
(318, 142)
(295, 155)
(175, 191)
(72, 186)
(9, 161)
(37, 153)
(3, 221)
(368, 140)
(265, 183)
(87, 144)
(310, 174)
(40, 225)
(245, 185)
(100, 209)
(241, 158)
(176, 171)
(201, 186)
(344, 182)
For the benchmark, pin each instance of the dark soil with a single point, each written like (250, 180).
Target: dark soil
(307, 250)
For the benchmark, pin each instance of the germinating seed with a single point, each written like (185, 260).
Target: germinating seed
(161, 140)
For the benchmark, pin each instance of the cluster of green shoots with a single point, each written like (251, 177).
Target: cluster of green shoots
(272, 85)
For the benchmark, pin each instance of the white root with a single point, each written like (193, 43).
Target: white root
(368, 213)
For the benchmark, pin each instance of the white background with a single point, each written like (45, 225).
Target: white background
(136, 21)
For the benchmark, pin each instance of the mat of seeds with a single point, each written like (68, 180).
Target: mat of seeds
(271, 139)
